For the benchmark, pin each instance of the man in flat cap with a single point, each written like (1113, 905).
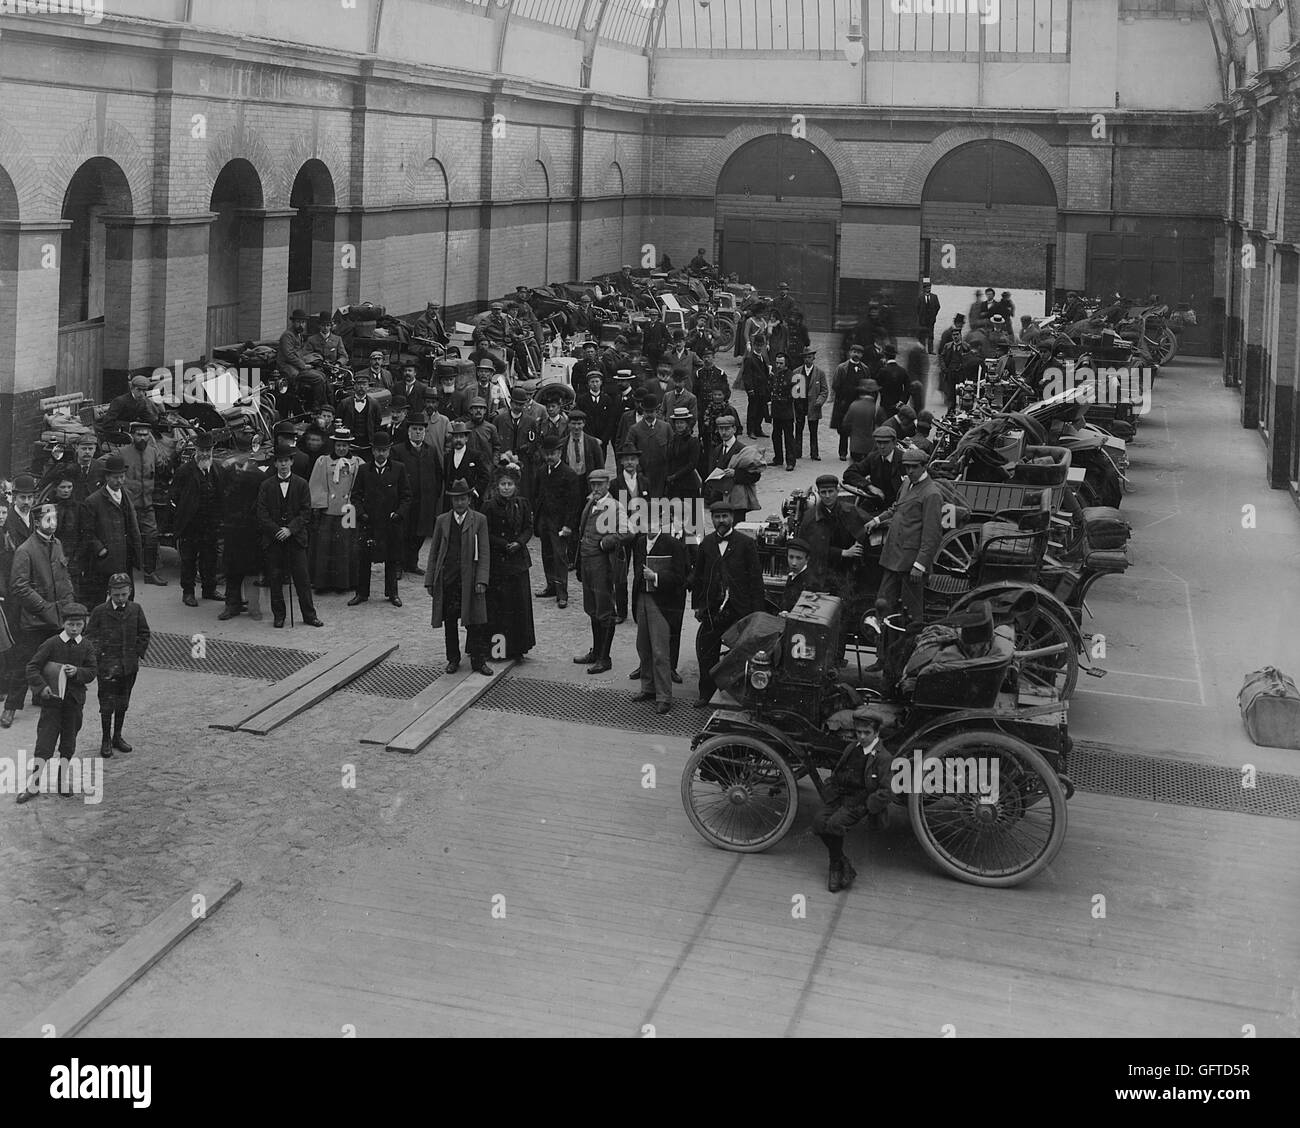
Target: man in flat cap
(382, 498)
(141, 459)
(133, 405)
(110, 530)
(457, 579)
(602, 533)
(198, 492)
(120, 632)
(880, 474)
(376, 371)
(555, 517)
(40, 588)
(915, 523)
(830, 529)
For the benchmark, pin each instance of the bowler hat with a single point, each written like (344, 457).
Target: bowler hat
(381, 440)
(325, 317)
(298, 315)
(914, 456)
(482, 364)
(518, 395)
(552, 442)
(417, 419)
(74, 611)
(25, 483)
(203, 440)
(627, 450)
(113, 464)
(398, 402)
(458, 488)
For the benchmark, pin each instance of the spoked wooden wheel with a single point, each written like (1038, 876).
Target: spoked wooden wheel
(724, 334)
(739, 793)
(955, 555)
(1004, 837)
(1056, 673)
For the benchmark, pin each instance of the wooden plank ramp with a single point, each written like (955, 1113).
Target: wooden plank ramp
(249, 709)
(463, 691)
(81, 1002)
(318, 688)
(401, 719)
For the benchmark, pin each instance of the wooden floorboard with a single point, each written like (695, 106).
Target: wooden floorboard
(319, 688)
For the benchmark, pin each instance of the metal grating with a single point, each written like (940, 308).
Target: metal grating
(394, 679)
(221, 656)
(1093, 767)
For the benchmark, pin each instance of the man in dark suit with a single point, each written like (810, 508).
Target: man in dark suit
(801, 577)
(413, 388)
(383, 499)
(424, 474)
(559, 504)
(634, 492)
(893, 380)
(284, 515)
(582, 452)
(655, 337)
(462, 464)
(844, 390)
(120, 632)
(601, 410)
(198, 493)
(728, 586)
(135, 406)
(927, 312)
(880, 474)
(650, 436)
(915, 527)
(40, 588)
(360, 415)
(830, 530)
(602, 535)
(658, 596)
(377, 373)
(109, 529)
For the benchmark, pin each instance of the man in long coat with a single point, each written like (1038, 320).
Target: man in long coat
(457, 579)
(915, 523)
(40, 586)
(424, 474)
(110, 531)
(382, 499)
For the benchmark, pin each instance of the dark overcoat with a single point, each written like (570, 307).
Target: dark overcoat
(475, 567)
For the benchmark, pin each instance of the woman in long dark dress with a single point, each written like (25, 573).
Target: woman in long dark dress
(509, 598)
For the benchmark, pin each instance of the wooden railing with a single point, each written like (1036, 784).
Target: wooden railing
(81, 359)
(223, 325)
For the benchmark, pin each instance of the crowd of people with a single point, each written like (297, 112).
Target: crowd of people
(476, 473)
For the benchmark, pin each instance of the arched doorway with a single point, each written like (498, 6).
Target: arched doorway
(311, 238)
(989, 218)
(98, 188)
(778, 211)
(234, 256)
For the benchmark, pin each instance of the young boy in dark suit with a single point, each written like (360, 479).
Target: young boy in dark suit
(121, 635)
(60, 716)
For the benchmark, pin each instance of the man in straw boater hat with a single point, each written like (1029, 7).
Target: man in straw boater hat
(65, 660)
(457, 579)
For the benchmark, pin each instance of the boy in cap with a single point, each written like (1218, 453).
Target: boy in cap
(120, 634)
(60, 715)
(859, 787)
(198, 493)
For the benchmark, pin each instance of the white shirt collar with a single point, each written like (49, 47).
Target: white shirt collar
(64, 635)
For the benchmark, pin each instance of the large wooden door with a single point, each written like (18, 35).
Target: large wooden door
(768, 251)
(1178, 268)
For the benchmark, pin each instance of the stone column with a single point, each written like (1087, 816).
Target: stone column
(30, 258)
(1252, 331)
(1282, 436)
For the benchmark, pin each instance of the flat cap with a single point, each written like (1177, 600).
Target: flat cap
(827, 481)
(884, 432)
(74, 611)
(799, 543)
(915, 456)
(142, 382)
(119, 579)
(600, 476)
